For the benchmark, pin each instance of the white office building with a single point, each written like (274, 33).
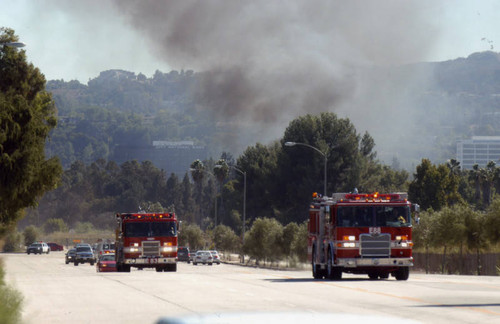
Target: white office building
(478, 150)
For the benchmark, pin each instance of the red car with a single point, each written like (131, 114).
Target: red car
(106, 263)
(55, 247)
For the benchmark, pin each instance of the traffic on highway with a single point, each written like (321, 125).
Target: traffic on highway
(84, 295)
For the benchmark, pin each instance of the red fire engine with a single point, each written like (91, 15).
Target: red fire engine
(146, 240)
(361, 234)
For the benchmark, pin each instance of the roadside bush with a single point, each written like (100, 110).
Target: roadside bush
(30, 235)
(299, 244)
(263, 240)
(10, 301)
(12, 242)
(225, 239)
(192, 236)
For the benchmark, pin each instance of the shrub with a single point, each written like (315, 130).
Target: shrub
(10, 302)
(12, 241)
(30, 235)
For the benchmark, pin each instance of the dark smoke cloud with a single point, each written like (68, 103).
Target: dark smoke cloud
(267, 62)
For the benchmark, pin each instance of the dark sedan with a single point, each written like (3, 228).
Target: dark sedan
(183, 254)
(70, 255)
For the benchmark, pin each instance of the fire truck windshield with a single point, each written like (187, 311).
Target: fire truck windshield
(150, 229)
(367, 216)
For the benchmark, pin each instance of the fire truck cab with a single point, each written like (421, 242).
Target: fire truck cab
(146, 240)
(361, 234)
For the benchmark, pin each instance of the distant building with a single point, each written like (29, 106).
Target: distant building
(172, 157)
(479, 150)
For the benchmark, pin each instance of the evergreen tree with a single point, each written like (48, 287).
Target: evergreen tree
(27, 115)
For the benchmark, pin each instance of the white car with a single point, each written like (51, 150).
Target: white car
(204, 257)
(215, 256)
(38, 247)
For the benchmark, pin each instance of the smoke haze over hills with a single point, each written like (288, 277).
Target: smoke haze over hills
(268, 62)
(265, 63)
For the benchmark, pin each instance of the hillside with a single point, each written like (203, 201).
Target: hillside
(416, 111)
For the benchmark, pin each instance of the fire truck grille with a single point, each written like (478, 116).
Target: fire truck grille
(378, 246)
(150, 248)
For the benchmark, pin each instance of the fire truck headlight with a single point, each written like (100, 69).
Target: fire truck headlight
(131, 249)
(401, 237)
(169, 249)
(349, 245)
(349, 238)
(135, 244)
(404, 244)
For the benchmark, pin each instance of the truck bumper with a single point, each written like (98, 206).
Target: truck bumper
(150, 261)
(375, 262)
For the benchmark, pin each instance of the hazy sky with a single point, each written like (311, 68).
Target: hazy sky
(77, 41)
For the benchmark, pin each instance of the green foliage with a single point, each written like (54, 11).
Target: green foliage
(452, 227)
(83, 227)
(10, 301)
(192, 236)
(120, 110)
(299, 243)
(12, 241)
(262, 242)
(290, 232)
(221, 170)
(225, 239)
(492, 221)
(150, 207)
(422, 231)
(27, 115)
(92, 193)
(263, 180)
(55, 225)
(30, 235)
(434, 186)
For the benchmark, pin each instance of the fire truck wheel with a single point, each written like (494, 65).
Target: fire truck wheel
(373, 275)
(76, 263)
(329, 265)
(317, 273)
(159, 269)
(171, 268)
(402, 273)
(384, 275)
(336, 273)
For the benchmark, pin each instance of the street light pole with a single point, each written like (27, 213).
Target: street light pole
(320, 152)
(244, 198)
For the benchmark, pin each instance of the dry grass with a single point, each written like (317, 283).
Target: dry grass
(70, 238)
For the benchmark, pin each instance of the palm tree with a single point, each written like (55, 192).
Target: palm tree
(198, 173)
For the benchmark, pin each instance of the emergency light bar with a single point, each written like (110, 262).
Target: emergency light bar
(373, 196)
(146, 216)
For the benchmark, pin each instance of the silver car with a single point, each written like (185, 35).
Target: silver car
(204, 257)
(215, 256)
